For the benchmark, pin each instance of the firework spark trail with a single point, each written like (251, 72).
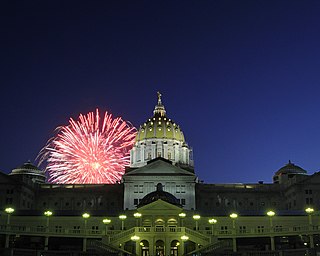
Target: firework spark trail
(89, 150)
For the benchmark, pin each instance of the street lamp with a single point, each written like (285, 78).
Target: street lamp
(137, 215)
(182, 215)
(85, 216)
(271, 214)
(234, 216)
(212, 222)
(122, 217)
(196, 217)
(135, 238)
(309, 211)
(9, 211)
(48, 214)
(272, 242)
(184, 238)
(106, 222)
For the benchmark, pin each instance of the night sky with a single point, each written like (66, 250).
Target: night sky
(241, 78)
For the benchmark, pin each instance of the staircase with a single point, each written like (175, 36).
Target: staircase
(197, 237)
(106, 249)
(213, 248)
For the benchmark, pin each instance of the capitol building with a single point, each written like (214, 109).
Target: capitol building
(160, 207)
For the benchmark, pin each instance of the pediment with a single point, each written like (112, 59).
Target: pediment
(159, 167)
(160, 206)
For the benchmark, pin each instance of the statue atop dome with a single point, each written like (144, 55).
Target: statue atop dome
(159, 109)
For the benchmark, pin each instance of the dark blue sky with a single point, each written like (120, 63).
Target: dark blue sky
(242, 78)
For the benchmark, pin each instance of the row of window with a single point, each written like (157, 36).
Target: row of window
(179, 188)
(78, 204)
(136, 201)
(228, 203)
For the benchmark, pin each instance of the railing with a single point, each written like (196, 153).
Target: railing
(11, 229)
(275, 231)
(115, 234)
(160, 229)
(123, 234)
(197, 234)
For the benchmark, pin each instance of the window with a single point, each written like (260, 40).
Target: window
(308, 191)
(9, 200)
(178, 188)
(76, 229)
(242, 229)
(135, 201)
(140, 188)
(95, 229)
(309, 200)
(135, 188)
(183, 188)
(169, 155)
(260, 229)
(159, 154)
(224, 230)
(183, 201)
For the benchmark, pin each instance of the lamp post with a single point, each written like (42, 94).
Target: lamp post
(309, 211)
(182, 215)
(85, 216)
(212, 222)
(135, 239)
(184, 239)
(9, 211)
(48, 214)
(137, 215)
(106, 222)
(234, 216)
(271, 214)
(122, 217)
(196, 217)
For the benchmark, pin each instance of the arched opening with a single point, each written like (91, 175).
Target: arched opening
(159, 225)
(144, 248)
(159, 248)
(174, 248)
(172, 224)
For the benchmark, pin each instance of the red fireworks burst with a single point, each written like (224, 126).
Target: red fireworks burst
(89, 150)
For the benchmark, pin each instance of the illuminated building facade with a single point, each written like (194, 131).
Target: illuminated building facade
(159, 207)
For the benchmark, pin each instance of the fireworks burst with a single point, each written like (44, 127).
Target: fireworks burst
(89, 150)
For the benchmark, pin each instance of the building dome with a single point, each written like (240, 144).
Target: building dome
(159, 126)
(159, 194)
(291, 168)
(160, 136)
(288, 171)
(30, 172)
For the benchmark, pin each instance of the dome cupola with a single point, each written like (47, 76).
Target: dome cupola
(286, 172)
(160, 136)
(29, 172)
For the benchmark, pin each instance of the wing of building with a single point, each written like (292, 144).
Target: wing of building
(159, 207)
